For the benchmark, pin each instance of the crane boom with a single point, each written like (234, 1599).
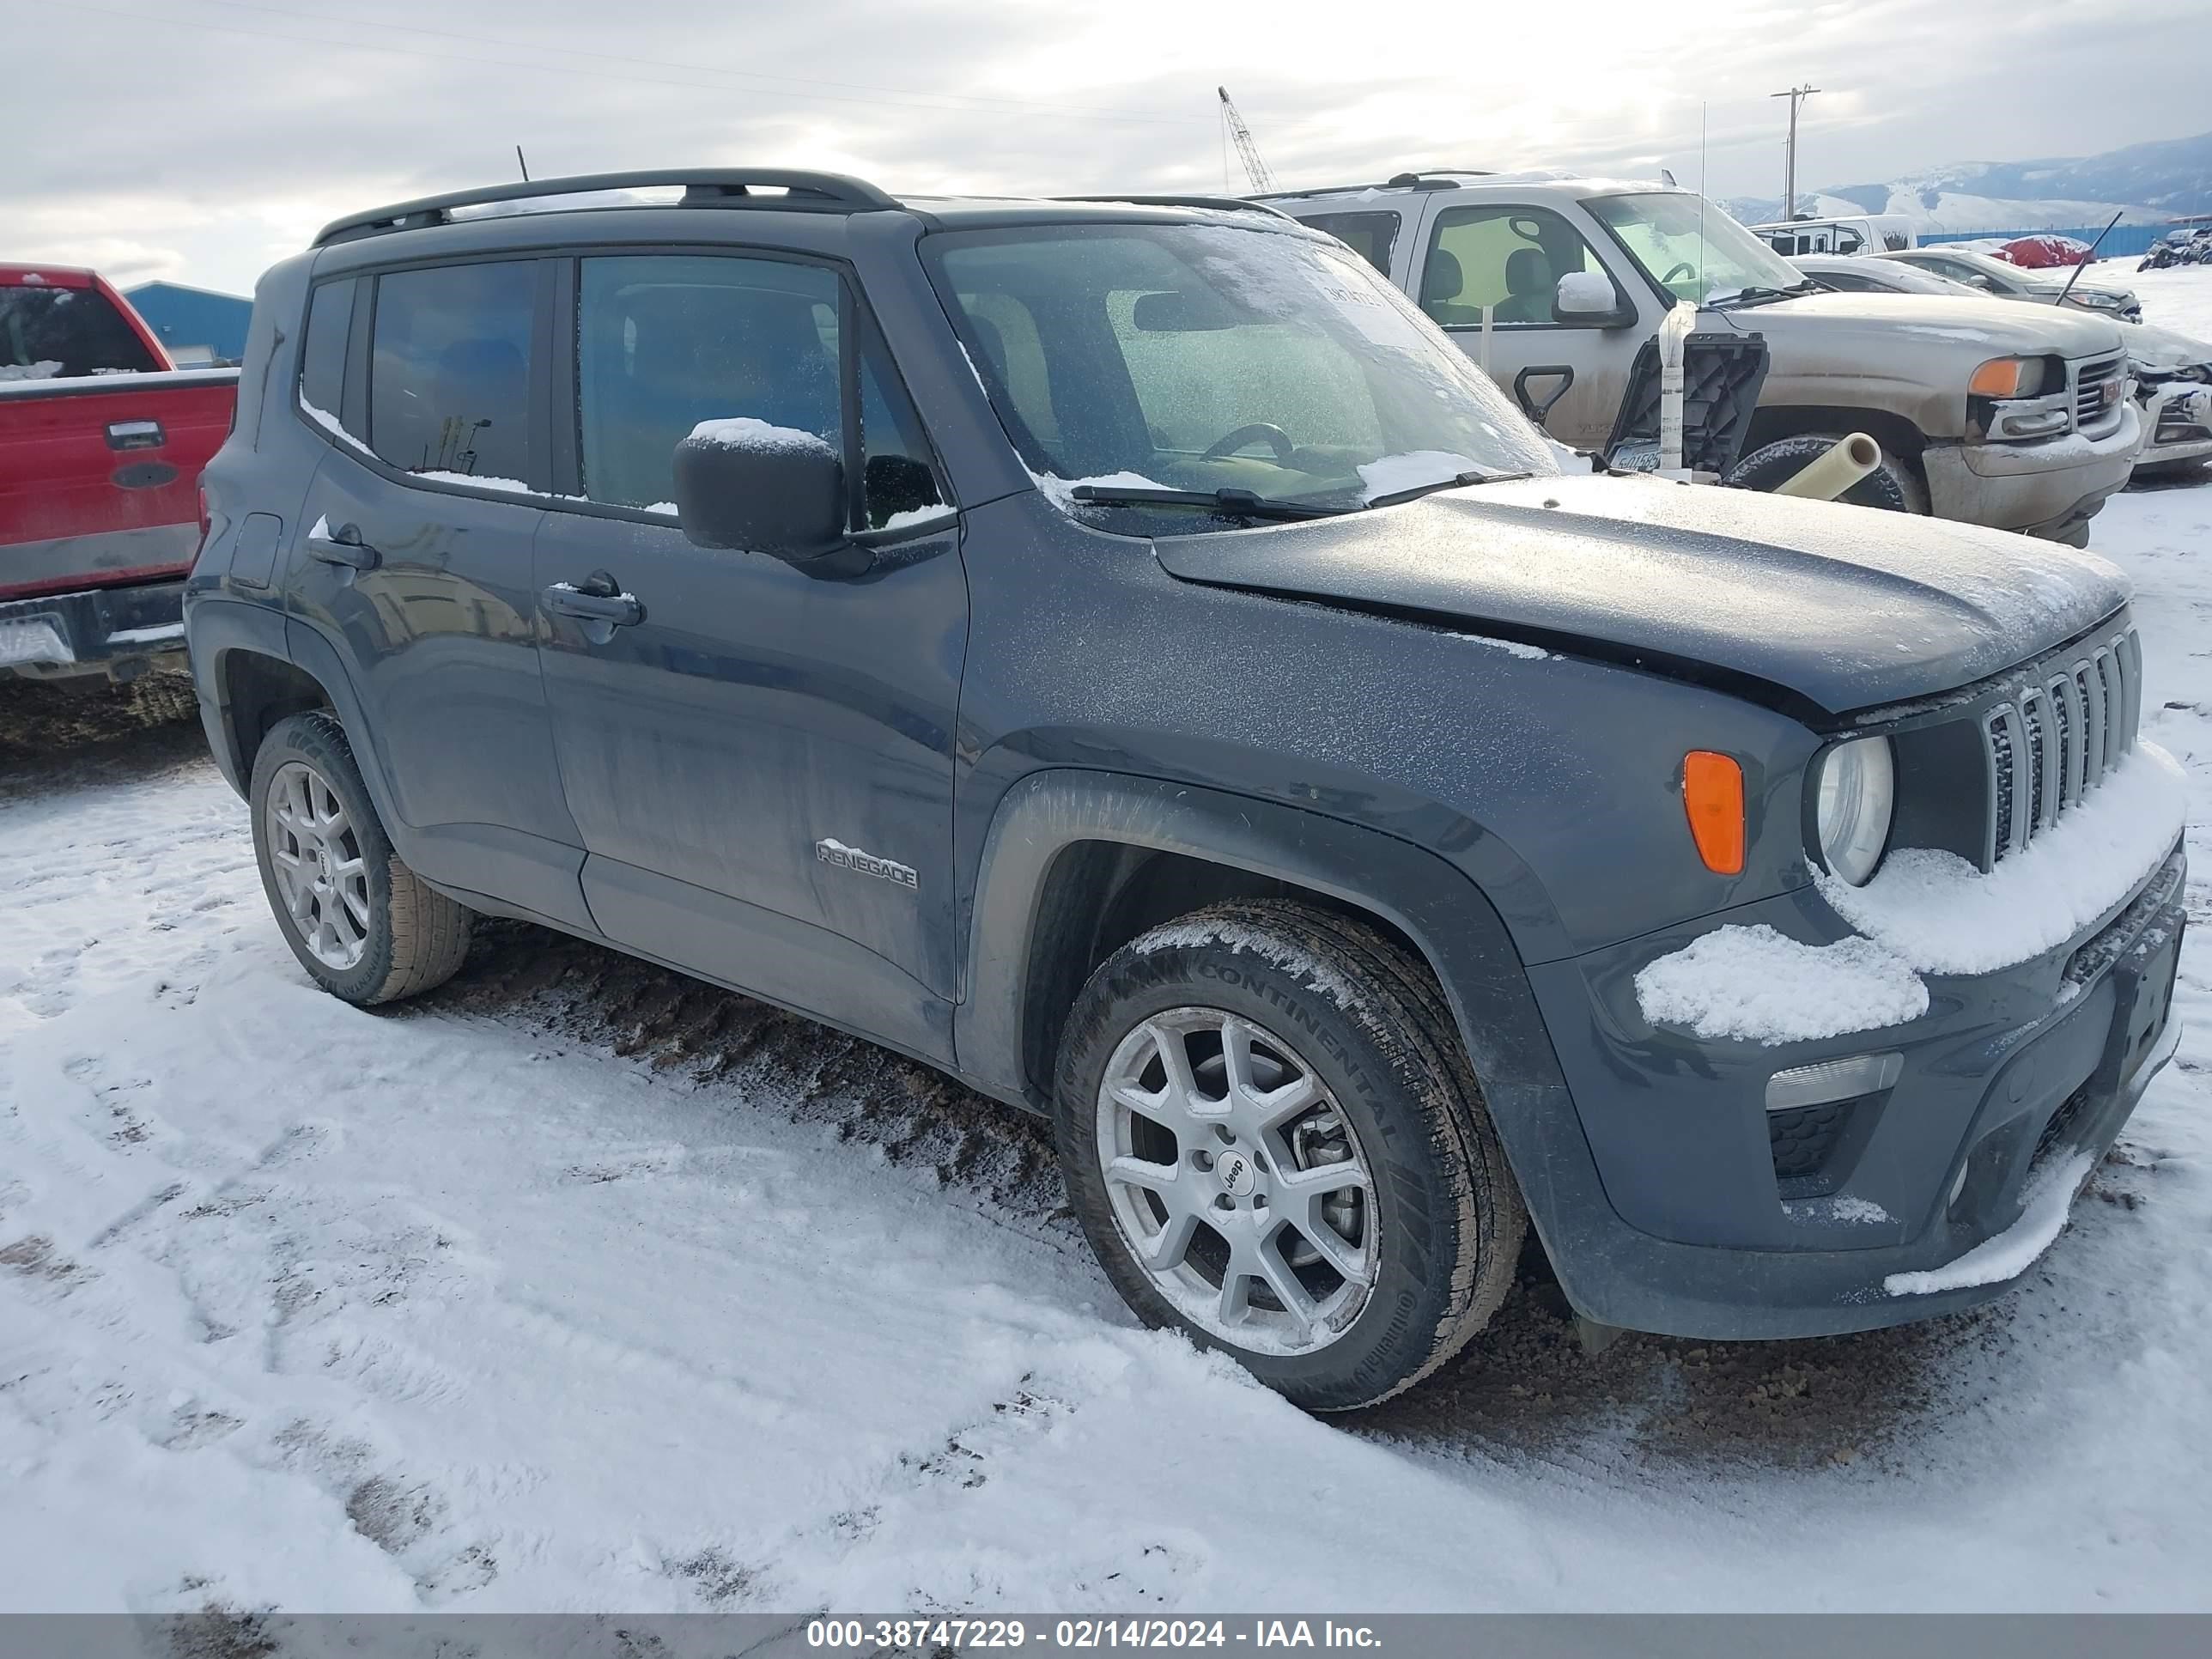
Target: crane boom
(1247, 151)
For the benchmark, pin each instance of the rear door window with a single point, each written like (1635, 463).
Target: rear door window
(450, 369)
(51, 333)
(1370, 235)
(322, 353)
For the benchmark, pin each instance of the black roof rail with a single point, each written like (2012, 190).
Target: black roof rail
(1220, 203)
(1264, 195)
(817, 192)
(1435, 178)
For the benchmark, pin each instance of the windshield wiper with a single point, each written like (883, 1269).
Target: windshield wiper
(1231, 503)
(1756, 295)
(1458, 480)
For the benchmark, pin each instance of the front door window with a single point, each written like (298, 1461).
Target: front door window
(1508, 258)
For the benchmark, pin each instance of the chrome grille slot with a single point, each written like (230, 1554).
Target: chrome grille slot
(2056, 740)
(2040, 782)
(2069, 759)
(2096, 391)
(2004, 756)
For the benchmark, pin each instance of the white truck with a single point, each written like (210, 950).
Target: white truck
(1860, 233)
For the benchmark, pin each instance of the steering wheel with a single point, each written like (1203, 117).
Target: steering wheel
(1680, 267)
(1276, 440)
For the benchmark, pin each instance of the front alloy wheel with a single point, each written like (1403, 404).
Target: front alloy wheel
(1274, 1143)
(1236, 1182)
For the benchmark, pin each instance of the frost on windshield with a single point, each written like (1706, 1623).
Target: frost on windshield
(1199, 358)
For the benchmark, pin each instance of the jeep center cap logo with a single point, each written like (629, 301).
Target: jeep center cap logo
(1236, 1172)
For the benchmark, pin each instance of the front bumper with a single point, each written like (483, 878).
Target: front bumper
(117, 631)
(2176, 420)
(2050, 487)
(1672, 1211)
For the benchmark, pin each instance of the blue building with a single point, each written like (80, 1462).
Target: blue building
(196, 325)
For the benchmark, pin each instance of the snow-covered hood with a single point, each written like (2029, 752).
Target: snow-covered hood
(2164, 350)
(1845, 607)
(1917, 331)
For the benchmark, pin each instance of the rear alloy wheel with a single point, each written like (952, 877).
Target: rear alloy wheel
(1273, 1142)
(366, 927)
(314, 853)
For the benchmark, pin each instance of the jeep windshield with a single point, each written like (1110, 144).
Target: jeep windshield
(1691, 250)
(1170, 379)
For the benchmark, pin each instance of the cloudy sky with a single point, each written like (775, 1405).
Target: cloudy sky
(201, 139)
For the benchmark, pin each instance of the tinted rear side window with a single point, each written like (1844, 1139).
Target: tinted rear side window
(449, 380)
(1370, 235)
(52, 333)
(322, 355)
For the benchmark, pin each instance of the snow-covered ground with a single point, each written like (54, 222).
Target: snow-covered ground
(581, 1287)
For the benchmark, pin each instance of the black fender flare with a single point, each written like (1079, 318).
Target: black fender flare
(1449, 919)
(313, 654)
(215, 628)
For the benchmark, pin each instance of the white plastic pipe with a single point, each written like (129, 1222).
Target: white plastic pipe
(1674, 332)
(1847, 461)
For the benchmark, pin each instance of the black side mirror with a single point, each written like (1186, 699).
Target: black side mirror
(760, 489)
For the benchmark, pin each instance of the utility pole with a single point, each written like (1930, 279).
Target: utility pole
(1795, 96)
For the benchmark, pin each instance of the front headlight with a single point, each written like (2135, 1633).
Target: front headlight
(2008, 377)
(2095, 301)
(1857, 793)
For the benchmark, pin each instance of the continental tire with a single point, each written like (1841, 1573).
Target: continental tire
(361, 923)
(1275, 1142)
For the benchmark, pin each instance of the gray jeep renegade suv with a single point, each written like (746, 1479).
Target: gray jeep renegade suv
(1122, 654)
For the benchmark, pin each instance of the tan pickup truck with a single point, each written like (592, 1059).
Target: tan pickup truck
(1991, 413)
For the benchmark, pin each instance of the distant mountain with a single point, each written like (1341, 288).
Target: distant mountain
(2145, 183)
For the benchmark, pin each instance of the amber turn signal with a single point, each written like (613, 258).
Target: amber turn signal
(2004, 377)
(1712, 794)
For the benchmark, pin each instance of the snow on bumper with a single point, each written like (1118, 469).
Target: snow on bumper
(1924, 912)
(1942, 915)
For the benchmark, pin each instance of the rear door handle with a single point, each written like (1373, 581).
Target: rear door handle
(595, 600)
(342, 545)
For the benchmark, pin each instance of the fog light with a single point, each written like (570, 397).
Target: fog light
(1831, 1079)
(2040, 425)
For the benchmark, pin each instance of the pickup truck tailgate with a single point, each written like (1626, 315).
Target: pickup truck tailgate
(99, 476)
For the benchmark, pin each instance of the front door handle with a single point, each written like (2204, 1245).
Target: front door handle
(595, 599)
(342, 545)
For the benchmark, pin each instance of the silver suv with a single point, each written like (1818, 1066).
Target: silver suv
(1986, 412)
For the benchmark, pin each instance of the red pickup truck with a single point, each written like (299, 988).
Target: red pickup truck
(101, 442)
